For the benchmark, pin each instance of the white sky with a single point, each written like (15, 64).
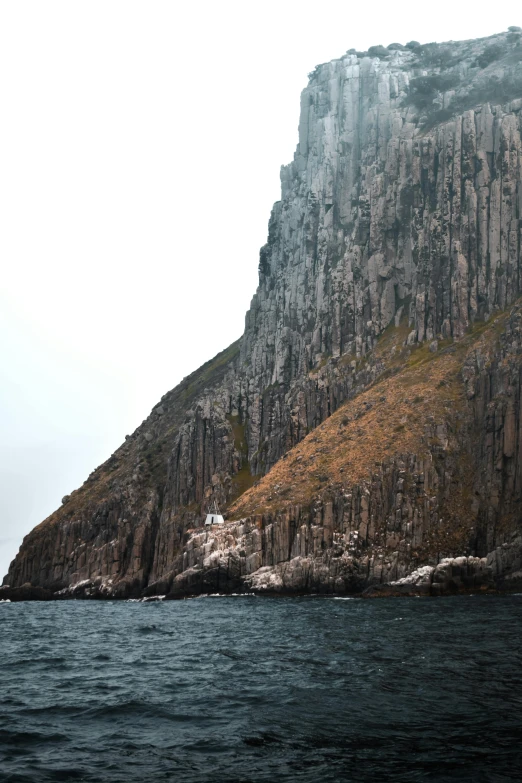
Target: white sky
(140, 146)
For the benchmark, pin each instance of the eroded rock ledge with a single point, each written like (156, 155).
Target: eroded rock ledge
(246, 558)
(228, 562)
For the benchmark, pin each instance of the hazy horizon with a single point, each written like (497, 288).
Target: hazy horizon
(142, 147)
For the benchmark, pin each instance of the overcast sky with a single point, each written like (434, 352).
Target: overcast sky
(140, 147)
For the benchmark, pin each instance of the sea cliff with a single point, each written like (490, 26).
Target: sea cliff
(365, 430)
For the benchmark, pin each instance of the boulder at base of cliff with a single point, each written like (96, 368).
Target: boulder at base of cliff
(452, 575)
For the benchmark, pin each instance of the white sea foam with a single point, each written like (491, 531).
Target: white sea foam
(147, 600)
(223, 595)
(342, 598)
(5, 600)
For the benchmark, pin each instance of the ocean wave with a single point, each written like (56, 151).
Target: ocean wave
(141, 710)
(146, 600)
(12, 737)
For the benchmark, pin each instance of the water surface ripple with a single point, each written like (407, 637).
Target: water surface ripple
(256, 689)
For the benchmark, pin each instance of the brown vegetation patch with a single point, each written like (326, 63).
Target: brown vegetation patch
(395, 416)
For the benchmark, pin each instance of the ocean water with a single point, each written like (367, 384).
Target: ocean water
(262, 689)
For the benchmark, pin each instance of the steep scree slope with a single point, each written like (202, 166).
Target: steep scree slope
(399, 225)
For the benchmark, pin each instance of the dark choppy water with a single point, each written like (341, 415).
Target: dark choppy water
(259, 689)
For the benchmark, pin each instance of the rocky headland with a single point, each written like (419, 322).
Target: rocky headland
(364, 434)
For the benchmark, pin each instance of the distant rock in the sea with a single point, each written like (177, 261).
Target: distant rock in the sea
(25, 593)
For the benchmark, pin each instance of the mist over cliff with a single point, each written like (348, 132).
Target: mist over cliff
(365, 429)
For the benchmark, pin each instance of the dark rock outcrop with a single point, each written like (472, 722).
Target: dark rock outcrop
(400, 213)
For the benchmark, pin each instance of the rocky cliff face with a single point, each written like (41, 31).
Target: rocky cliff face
(412, 485)
(399, 227)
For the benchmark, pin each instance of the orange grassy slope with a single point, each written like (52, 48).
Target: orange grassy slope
(391, 418)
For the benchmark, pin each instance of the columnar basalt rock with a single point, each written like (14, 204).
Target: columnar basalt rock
(400, 211)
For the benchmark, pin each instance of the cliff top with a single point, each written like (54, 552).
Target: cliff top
(446, 78)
